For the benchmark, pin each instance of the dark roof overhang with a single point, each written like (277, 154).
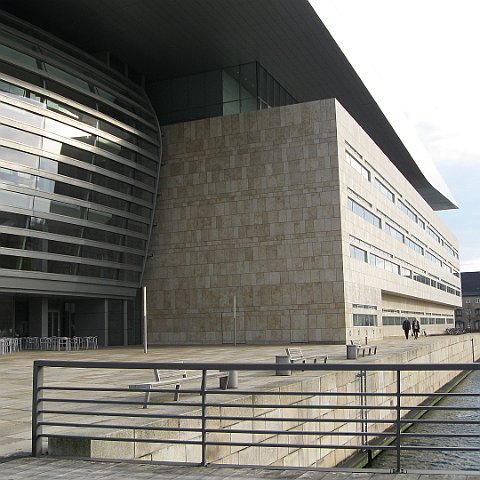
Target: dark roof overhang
(170, 38)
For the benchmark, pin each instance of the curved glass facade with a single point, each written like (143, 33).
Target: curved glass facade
(79, 161)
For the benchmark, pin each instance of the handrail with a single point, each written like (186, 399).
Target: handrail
(287, 413)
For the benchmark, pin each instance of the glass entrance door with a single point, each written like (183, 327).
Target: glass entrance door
(54, 323)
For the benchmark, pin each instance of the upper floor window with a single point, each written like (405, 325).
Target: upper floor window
(364, 213)
(434, 235)
(351, 160)
(384, 190)
(407, 211)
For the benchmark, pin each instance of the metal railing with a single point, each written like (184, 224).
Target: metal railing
(324, 415)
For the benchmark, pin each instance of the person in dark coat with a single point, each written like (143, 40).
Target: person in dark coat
(406, 327)
(415, 328)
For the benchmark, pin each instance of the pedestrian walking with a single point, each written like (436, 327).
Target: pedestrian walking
(406, 327)
(415, 328)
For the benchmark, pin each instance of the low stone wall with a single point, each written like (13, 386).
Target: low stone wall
(445, 349)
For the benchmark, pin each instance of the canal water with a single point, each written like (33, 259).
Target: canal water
(435, 460)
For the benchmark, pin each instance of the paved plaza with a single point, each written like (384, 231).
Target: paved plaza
(15, 412)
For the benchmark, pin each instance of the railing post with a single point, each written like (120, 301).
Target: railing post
(204, 417)
(36, 405)
(398, 423)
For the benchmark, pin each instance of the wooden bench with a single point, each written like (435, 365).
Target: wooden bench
(296, 355)
(165, 378)
(371, 349)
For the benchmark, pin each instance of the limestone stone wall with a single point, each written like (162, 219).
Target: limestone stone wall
(250, 209)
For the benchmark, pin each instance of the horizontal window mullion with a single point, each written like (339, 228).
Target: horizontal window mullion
(83, 108)
(76, 143)
(69, 161)
(28, 232)
(45, 113)
(67, 258)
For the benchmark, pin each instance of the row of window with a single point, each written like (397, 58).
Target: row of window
(396, 320)
(364, 213)
(363, 320)
(471, 300)
(74, 230)
(143, 139)
(70, 73)
(40, 204)
(35, 244)
(66, 268)
(468, 312)
(395, 233)
(364, 256)
(56, 187)
(56, 128)
(241, 88)
(71, 137)
(30, 160)
(387, 192)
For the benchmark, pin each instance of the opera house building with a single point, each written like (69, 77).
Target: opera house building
(228, 156)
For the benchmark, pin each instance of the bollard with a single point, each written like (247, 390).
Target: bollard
(283, 359)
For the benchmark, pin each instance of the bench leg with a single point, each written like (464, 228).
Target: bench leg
(177, 392)
(146, 400)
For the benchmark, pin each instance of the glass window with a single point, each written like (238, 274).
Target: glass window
(131, 258)
(394, 232)
(20, 136)
(137, 226)
(8, 219)
(139, 210)
(231, 87)
(248, 80)
(12, 89)
(231, 108)
(249, 105)
(358, 253)
(133, 242)
(352, 161)
(19, 157)
(67, 77)
(17, 178)
(14, 199)
(414, 245)
(364, 213)
(96, 271)
(33, 264)
(11, 241)
(18, 57)
(61, 268)
(384, 190)
(213, 87)
(82, 99)
(407, 211)
(100, 254)
(103, 236)
(128, 276)
(21, 74)
(7, 261)
(363, 320)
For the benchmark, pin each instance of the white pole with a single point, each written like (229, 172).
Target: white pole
(145, 340)
(234, 319)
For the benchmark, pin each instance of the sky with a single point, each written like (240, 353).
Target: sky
(426, 54)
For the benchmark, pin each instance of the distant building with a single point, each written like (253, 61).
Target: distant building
(468, 316)
(278, 181)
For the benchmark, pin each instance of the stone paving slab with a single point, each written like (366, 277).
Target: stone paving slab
(28, 468)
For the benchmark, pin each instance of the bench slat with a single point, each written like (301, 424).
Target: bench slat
(172, 377)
